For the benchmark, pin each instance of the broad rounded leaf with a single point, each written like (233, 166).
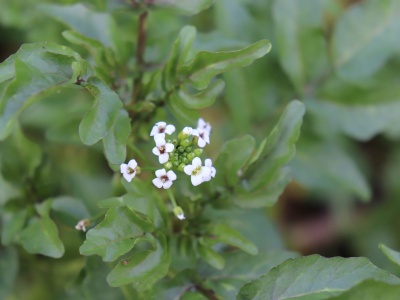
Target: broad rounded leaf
(393, 255)
(371, 290)
(313, 277)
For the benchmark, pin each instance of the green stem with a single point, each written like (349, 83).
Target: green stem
(172, 197)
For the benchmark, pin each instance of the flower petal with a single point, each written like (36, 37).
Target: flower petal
(201, 142)
(132, 164)
(208, 163)
(195, 132)
(123, 168)
(167, 184)
(171, 175)
(156, 151)
(154, 130)
(163, 158)
(205, 171)
(170, 129)
(159, 136)
(129, 177)
(189, 169)
(157, 182)
(196, 162)
(196, 179)
(161, 124)
(161, 172)
(213, 171)
(160, 142)
(169, 147)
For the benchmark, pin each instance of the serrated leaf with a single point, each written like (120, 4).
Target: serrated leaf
(371, 290)
(211, 257)
(115, 141)
(230, 236)
(233, 157)
(278, 150)
(144, 268)
(300, 39)
(392, 255)
(313, 277)
(184, 7)
(8, 270)
(365, 37)
(99, 120)
(206, 65)
(117, 234)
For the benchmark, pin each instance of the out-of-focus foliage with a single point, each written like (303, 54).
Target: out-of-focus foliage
(82, 84)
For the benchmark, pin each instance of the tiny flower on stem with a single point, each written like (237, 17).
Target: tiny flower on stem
(203, 125)
(162, 149)
(81, 225)
(196, 171)
(129, 170)
(164, 179)
(179, 213)
(203, 137)
(208, 164)
(160, 129)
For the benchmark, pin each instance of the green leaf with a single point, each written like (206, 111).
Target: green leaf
(206, 65)
(8, 270)
(182, 113)
(99, 120)
(117, 234)
(365, 37)
(233, 157)
(393, 255)
(230, 236)
(313, 277)
(144, 268)
(184, 7)
(69, 210)
(211, 257)
(371, 290)
(13, 223)
(115, 141)
(278, 149)
(300, 39)
(41, 234)
(203, 98)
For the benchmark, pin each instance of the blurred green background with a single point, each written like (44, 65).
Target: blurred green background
(340, 57)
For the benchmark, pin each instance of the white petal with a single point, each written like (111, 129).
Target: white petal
(132, 164)
(206, 138)
(213, 171)
(160, 142)
(195, 132)
(170, 129)
(201, 123)
(169, 147)
(167, 184)
(196, 179)
(181, 216)
(161, 124)
(171, 175)
(161, 172)
(157, 182)
(201, 142)
(196, 162)
(188, 130)
(156, 151)
(154, 130)
(129, 177)
(208, 163)
(189, 169)
(208, 178)
(205, 171)
(159, 136)
(163, 158)
(123, 168)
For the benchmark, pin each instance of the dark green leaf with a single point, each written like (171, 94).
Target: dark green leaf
(313, 277)
(371, 290)
(13, 223)
(203, 98)
(69, 210)
(144, 268)
(365, 36)
(206, 65)
(182, 113)
(393, 255)
(117, 234)
(211, 257)
(184, 7)
(8, 270)
(115, 141)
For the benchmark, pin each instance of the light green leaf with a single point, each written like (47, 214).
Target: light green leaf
(183, 6)
(230, 236)
(393, 255)
(211, 257)
(278, 149)
(115, 141)
(8, 270)
(117, 234)
(206, 65)
(203, 98)
(144, 268)
(313, 277)
(98, 121)
(12, 225)
(365, 37)
(233, 157)
(371, 290)
(300, 39)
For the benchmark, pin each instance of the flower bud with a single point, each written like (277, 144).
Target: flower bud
(179, 212)
(175, 164)
(189, 149)
(185, 160)
(190, 156)
(181, 167)
(198, 152)
(185, 133)
(138, 170)
(168, 165)
(181, 149)
(185, 142)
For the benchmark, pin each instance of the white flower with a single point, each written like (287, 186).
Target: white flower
(164, 179)
(197, 171)
(129, 170)
(82, 225)
(160, 129)
(203, 125)
(187, 131)
(208, 164)
(162, 148)
(179, 213)
(203, 137)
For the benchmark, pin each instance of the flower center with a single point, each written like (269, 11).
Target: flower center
(196, 171)
(164, 178)
(162, 149)
(161, 129)
(130, 170)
